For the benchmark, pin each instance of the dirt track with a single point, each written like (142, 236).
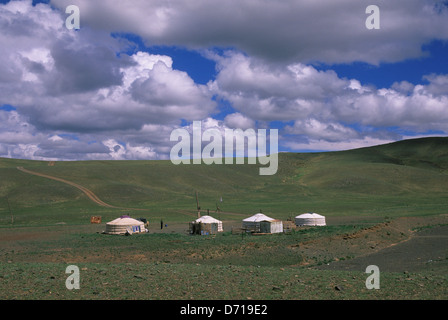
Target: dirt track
(86, 191)
(392, 245)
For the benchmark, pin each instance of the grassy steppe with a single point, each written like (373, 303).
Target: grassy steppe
(45, 226)
(401, 179)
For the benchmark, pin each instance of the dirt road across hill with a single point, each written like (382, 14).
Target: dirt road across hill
(86, 191)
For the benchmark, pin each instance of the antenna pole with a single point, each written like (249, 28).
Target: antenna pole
(197, 205)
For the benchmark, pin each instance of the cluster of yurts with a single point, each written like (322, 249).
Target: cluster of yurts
(208, 225)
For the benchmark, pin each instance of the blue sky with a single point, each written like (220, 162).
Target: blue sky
(198, 67)
(135, 71)
(412, 70)
(383, 75)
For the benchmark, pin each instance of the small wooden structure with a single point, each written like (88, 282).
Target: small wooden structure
(288, 226)
(95, 220)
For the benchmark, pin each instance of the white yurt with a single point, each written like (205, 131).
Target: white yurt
(262, 223)
(205, 225)
(271, 226)
(125, 224)
(310, 219)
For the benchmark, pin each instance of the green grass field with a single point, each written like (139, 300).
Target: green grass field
(45, 225)
(182, 267)
(401, 179)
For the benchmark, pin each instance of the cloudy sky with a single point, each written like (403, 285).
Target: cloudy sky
(136, 70)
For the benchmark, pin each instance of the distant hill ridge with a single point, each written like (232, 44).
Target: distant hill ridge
(402, 178)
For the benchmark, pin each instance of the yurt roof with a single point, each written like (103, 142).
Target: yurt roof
(309, 215)
(258, 217)
(207, 219)
(125, 220)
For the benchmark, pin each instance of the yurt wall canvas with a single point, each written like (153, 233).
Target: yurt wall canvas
(254, 224)
(125, 224)
(310, 219)
(205, 225)
(272, 226)
(203, 229)
(211, 220)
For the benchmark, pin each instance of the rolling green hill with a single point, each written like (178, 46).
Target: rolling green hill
(400, 179)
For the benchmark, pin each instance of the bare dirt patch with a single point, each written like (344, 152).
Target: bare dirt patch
(402, 245)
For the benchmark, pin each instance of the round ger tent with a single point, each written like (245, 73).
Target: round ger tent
(310, 219)
(210, 220)
(125, 224)
(262, 223)
(206, 225)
